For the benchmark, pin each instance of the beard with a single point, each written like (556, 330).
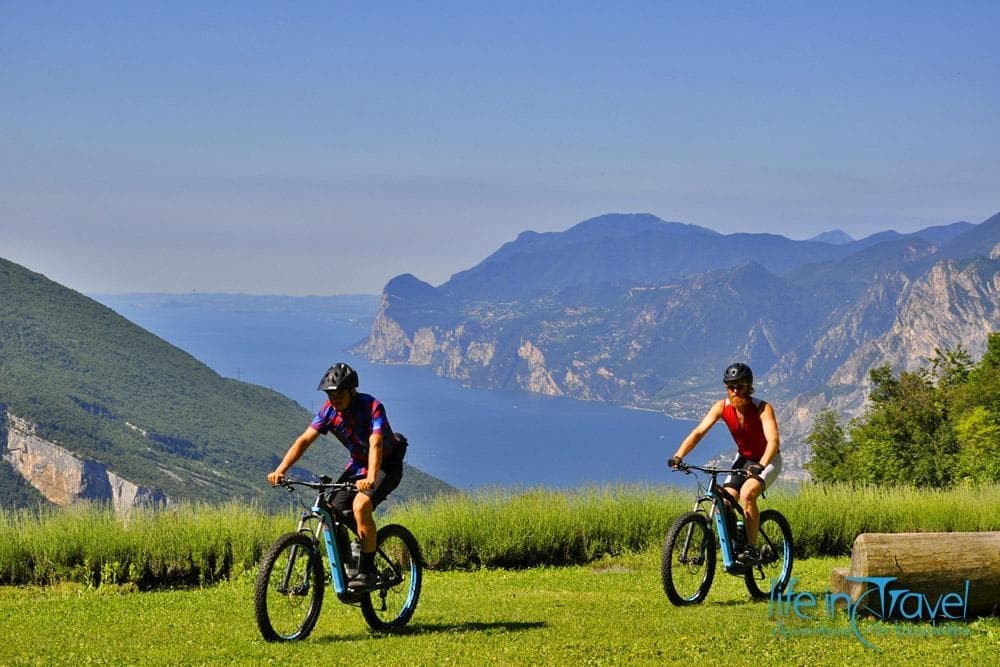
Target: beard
(739, 401)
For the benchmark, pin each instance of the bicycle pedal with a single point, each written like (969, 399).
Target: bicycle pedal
(363, 582)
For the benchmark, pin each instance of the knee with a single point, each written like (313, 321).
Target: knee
(749, 496)
(362, 503)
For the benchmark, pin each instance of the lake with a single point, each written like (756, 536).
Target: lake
(470, 438)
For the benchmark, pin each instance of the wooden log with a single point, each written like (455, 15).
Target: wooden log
(840, 584)
(936, 566)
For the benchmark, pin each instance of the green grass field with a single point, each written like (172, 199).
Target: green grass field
(534, 577)
(612, 611)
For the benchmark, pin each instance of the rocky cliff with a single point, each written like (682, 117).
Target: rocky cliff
(810, 329)
(65, 479)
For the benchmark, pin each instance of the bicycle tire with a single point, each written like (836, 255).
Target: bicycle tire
(399, 564)
(288, 593)
(688, 560)
(776, 548)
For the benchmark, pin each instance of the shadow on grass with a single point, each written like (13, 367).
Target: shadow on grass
(733, 603)
(435, 628)
(474, 626)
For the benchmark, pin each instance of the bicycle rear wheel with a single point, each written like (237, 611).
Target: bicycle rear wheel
(289, 590)
(776, 546)
(389, 607)
(688, 562)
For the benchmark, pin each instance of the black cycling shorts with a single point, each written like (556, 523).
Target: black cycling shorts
(386, 481)
(767, 477)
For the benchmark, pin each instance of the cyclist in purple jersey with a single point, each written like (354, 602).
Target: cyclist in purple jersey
(359, 422)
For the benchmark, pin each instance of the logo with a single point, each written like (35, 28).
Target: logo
(880, 600)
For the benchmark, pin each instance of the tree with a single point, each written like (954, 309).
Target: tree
(951, 368)
(906, 438)
(978, 434)
(907, 434)
(830, 450)
(976, 408)
(885, 388)
(928, 427)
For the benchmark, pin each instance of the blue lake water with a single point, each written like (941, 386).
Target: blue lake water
(468, 437)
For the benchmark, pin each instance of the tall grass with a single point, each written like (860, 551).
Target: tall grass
(187, 545)
(539, 526)
(825, 519)
(201, 544)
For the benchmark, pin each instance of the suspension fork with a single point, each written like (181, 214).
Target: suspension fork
(689, 535)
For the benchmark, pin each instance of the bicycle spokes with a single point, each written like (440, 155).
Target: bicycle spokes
(688, 560)
(693, 551)
(775, 568)
(400, 573)
(289, 590)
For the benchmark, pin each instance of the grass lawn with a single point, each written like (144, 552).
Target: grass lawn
(610, 612)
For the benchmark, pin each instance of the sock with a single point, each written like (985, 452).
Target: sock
(367, 561)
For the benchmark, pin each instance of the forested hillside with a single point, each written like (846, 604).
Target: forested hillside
(90, 404)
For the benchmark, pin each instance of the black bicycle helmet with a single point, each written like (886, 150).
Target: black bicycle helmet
(339, 376)
(737, 373)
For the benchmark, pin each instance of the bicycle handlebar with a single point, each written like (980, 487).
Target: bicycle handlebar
(324, 484)
(686, 469)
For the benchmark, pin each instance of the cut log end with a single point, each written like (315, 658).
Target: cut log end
(932, 565)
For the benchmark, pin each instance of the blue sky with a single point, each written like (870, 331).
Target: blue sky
(322, 148)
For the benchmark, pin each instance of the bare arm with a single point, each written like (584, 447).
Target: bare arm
(770, 424)
(374, 462)
(698, 432)
(293, 454)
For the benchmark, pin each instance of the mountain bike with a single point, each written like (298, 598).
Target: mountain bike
(689, 552)
(289, 590)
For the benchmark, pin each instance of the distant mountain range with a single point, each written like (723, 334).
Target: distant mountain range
(634, 310)
(835, 236)
(93, 407)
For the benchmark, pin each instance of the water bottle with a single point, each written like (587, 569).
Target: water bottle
(355, 555)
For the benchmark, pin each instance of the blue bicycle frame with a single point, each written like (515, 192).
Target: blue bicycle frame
(717, 512)
(325, 529)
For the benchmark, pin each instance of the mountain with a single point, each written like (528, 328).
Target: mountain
(834, 236)
(634, 249)
(93, 407)
(637, 311)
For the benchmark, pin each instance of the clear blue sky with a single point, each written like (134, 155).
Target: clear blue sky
(323, 147)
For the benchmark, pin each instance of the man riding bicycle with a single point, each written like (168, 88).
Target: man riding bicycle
(360, 423)
(752, 424)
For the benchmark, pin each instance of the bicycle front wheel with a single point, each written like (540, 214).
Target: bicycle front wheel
(289, 589)
(399, 566)
(688, 563)
(775, 569)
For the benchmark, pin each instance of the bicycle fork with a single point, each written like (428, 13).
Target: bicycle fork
(287, 586)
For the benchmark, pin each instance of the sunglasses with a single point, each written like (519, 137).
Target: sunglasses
(742, 386)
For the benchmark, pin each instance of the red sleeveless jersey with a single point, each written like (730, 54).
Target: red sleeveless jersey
(749, 437)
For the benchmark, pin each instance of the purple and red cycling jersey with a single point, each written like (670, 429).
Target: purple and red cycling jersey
(354, 426)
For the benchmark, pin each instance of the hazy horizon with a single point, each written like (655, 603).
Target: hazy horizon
(322, 148)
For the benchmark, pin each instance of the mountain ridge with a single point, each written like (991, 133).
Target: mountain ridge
(631, 319)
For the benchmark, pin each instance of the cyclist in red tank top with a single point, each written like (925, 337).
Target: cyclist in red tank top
(754, 428)
(747, 429)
